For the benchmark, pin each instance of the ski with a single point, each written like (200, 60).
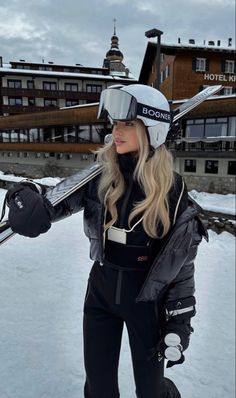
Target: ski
(195, 101)
(71, 184)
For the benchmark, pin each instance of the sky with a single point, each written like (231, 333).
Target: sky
(77, 31)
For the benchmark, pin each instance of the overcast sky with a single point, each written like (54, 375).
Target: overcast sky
(79, 31)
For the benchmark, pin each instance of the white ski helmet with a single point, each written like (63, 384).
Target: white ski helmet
(138, 101)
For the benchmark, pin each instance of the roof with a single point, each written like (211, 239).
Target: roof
(194, 47)
(172, 49)
(30, 72)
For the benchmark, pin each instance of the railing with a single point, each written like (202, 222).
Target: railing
(220, 146)
(49, 147)
(58, 94)
(25, 109)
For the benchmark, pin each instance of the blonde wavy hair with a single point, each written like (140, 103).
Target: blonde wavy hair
(154, 175)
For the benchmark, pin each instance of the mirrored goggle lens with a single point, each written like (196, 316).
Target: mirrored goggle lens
(118, 104)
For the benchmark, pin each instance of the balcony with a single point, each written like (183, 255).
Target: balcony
(205, 149)
(16, 109)
(49, 147)
(57, 94)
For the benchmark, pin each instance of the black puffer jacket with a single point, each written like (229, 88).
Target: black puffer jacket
(172, 271)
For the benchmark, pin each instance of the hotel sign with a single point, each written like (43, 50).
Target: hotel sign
(220, 78)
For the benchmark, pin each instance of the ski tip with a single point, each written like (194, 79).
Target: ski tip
(212, 89)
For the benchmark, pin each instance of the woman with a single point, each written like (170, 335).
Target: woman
(144, 232)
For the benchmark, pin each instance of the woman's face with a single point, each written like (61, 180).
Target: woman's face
(125, 136)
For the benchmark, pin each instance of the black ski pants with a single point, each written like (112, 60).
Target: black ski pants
(109, 303)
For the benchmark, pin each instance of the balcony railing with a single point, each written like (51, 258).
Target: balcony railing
(204, 148)
(57, 94)
(16, 109)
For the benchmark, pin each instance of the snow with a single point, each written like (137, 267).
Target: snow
(48, 181)
(60, 74)
(215, 202)
(42, 287)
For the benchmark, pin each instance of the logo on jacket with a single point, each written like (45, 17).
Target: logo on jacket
(19, 203)
(143, 258)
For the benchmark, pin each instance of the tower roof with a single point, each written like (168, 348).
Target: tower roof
(114, 54)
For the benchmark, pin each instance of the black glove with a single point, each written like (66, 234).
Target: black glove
(30, 213)
(177, 330)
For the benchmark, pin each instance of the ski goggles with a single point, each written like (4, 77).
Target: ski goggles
(122, 106)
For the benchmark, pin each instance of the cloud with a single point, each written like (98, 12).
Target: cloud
(79, 32)
(19, 27)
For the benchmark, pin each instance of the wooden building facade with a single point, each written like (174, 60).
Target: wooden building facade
(205, 153)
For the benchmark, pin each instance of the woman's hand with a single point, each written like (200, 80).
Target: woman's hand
(30, 213)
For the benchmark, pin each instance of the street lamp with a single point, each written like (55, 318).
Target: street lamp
(156, 33)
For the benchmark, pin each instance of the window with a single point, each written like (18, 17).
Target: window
(228, 90)
(216, 127)
(229, 66)
(211, 166)
(84, 133)
(162, 76)
(201, 64)
(15, 101)
(71, 86)
(190, 165)
(167, 71)
(22, 66)
(96, 72)
(30, 84)
(97, 133)
(49, 85)
(50, 102)
(45, 68)
(14, 84)
(93, 88)
(210, 127)
(232, 167)
(195, 128)
(232, 126)
(71, 102)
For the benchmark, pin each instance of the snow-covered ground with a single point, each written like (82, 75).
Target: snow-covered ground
(42, 285)
(215, 202)
(50, 181)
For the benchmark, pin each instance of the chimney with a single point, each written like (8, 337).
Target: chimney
(229, 41)
(191, 41)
